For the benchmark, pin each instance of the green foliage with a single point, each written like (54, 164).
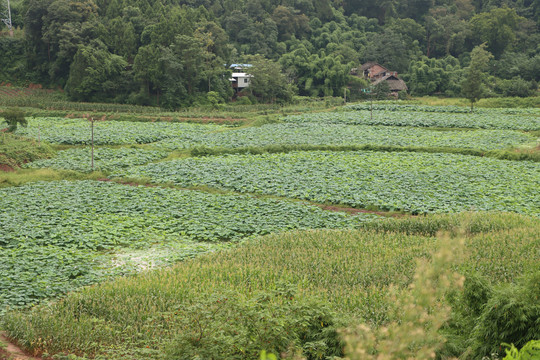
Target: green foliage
(497, 28)
(381, 91)
(104, 159)
(488, 316)
(472, 85)
(77, 131)
(14, 117)
(48, 230)
(94, 74)
(237, 328)
(454, 224)
(174, 52)
(268, 83)
(529, 351)
(335, 134)
(430, 116)
(411, 182)
(418, 313)
(15, 151)
(514, 87)
(351, 278)
(428, 76)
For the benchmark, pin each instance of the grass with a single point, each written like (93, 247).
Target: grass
(23, 176)
(525, 154)
(349, 270)
(15, 151)
(499, 102)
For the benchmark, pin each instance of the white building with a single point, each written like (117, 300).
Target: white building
(240, 80)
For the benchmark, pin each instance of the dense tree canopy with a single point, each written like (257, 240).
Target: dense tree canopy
(174, 52)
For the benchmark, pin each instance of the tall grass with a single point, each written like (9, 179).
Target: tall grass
(520, 155)
(496, 102)
(350, 270)
(15, 151)
(23, 176)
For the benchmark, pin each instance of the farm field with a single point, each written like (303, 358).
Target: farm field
(157, 313)
(517, 119)
(65, 225)
(294, 222)
(105, 159)
(411, 182)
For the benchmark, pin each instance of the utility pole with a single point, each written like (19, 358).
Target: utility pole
(6, 19)
(92, 126)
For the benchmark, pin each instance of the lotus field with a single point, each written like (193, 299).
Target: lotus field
(202, 241)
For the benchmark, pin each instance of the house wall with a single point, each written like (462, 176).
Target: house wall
(243, 81)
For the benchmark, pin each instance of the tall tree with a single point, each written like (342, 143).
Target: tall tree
(268, 82)
(472, 87)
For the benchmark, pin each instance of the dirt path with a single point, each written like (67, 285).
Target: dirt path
(12, 351)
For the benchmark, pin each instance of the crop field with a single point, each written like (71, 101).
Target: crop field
(78, 132)
(385, 117)
(201, 239)
(349, 270)
(64, 223)
(105, 159)
(320, 133)
(412, 182)
(448, 109)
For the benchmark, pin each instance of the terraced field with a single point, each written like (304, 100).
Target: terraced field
(237, 223)
(483, 120)
(78, 132)
(412, 182)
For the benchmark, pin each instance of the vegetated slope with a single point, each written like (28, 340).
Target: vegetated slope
(412, 182)
(146, 316)
(57, 236)
(15, 151)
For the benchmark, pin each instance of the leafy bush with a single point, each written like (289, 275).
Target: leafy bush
(230, 327)
(530, 351)
(486, 316)
(515, 87)
(243, 100)
(15, 151)
(13, 117)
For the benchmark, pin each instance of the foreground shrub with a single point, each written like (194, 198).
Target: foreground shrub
(418, 313)
(485, 317)
(530, 351)
(13, 117)
(230, 327)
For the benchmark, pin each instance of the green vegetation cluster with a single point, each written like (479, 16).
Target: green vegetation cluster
(173, 54)
(299, 293)
(16, 151)
(328, 129)
(411, 182)
(288, 293)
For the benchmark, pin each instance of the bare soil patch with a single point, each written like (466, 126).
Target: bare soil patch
(12, 351)
(6, 168)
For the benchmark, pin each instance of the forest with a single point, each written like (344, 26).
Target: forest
(176, 53)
